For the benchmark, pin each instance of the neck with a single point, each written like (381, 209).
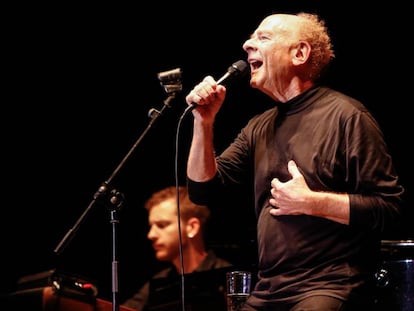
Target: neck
(192, 258)
(295, 88)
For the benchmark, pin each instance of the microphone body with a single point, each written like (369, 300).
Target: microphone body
(224, 78)
(236, 70)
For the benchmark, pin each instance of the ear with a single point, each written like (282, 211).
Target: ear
(300, 53)
(193, 227)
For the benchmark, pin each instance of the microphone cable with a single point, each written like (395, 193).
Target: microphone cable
(238, 69)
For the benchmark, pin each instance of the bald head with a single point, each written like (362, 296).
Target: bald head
(293, 28)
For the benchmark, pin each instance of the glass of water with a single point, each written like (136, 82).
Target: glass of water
(238, 289)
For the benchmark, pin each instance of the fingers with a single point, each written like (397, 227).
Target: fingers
(275, 212)
(275, 183)
(206, 87)
(204, 92)
(293, 169)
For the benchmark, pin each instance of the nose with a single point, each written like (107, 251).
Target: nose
(151, 235)
(248, 45)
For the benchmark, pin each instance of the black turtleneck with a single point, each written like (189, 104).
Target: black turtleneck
(338, 147)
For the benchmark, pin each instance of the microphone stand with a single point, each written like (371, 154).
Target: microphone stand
(171, 80)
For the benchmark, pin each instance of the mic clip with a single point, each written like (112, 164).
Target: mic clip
(170, 80)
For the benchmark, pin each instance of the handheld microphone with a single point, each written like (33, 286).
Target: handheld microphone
(236, 70)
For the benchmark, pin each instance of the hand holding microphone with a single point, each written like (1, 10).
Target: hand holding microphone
(209, 91)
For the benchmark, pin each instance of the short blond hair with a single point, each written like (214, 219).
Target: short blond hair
(188, 209)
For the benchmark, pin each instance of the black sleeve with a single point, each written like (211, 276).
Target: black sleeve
(204, 192)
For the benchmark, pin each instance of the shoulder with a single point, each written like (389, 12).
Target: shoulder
(212, 261)
(339, 100)
(163, 273)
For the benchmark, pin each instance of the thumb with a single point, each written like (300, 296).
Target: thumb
(293, 169)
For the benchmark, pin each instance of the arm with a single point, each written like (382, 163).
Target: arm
(208, 97)
(295, 198)
(372, 195)
(201, 160)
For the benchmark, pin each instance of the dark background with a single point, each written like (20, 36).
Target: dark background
(79, 82)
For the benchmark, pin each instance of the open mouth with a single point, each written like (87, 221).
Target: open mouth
(255, 64)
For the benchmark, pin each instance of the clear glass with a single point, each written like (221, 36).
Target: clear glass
(238, 289)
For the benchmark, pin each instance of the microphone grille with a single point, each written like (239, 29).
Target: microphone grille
(239, 68)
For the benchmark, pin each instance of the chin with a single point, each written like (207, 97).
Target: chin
(253, 81)
(161, 257)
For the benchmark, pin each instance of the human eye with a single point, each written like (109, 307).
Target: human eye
(263, 38)
(162, 224)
